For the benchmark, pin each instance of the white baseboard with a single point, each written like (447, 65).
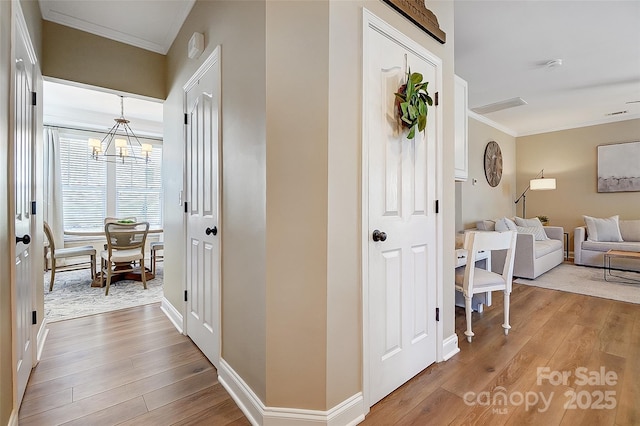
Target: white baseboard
(43, 332)
(13, 419)
(450, 347)
(173, 314)
(349, 412)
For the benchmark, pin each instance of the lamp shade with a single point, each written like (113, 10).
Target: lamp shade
(542, 184)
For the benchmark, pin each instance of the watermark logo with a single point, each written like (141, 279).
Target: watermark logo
(597, 397)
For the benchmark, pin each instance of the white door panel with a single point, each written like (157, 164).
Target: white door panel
(401, 198)
(202, 103)
(24, 131)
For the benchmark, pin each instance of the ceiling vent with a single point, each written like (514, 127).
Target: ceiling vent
(498, 106)
(616, 113)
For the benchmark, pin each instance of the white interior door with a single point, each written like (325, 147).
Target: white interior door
(202, 103)
(401, 180)
(25, 63)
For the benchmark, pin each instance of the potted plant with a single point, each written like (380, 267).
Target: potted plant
(544, 219)
(413, 101)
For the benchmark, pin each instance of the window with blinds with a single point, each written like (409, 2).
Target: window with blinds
(139, 188)
(87, 185)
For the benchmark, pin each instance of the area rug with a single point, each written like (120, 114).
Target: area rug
(587, 280)
(73, 296)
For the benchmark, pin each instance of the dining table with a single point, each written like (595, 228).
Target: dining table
(135, 275)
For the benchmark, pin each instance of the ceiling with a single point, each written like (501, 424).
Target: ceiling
(121, 20)
(501, 48)
(81, 107)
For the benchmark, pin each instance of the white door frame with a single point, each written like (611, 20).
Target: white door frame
(206, 65)
(369, 20)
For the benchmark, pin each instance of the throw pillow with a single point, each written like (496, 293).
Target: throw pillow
(486, 225)
(537, 231)
(630, 229)
(603, 229)
(505, 224)
(534, 221)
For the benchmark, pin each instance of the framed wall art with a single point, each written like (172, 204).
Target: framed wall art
(619, 167)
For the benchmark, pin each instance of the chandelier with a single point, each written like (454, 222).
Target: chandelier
(126, 146)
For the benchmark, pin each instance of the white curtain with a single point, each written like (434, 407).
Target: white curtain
(53, 213)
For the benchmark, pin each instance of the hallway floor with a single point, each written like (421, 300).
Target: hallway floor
(129, 367)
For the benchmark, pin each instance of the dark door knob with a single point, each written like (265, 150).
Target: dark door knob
(379, 235)
(26, 239)
(213, 231)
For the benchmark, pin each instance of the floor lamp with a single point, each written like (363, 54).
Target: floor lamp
(538, 183)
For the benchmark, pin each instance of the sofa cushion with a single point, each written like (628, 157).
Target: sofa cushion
(547, 246)
(603, 229)
(606, 246)
(537, 231)
(534, 221)
(486, 225)
(630, 230)
(505, 224)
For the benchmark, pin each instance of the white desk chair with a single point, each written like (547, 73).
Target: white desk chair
(475, 280)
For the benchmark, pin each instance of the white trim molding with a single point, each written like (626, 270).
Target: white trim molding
(349, 412)
(173, 314)
(43, 332)
(450, 347)
(13, 419)
(489, 122)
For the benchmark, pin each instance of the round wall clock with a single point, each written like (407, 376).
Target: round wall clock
(493, 163)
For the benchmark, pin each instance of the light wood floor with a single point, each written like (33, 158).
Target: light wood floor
(132, 367)
(126, 367)
(562, 331)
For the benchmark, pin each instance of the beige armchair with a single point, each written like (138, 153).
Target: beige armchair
(125, 247)
(65, 253)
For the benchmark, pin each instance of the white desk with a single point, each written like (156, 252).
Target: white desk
(483, 260)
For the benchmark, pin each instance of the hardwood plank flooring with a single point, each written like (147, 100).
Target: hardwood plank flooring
(550, 329)
(132, 368)
(124, 367)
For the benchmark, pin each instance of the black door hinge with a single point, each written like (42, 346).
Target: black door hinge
(33, 207)
(186, 210)
(185, 295)
(186, 119)
(34, 98)
(437, 206)
(437, 100)
(34, 317)
(437, 314)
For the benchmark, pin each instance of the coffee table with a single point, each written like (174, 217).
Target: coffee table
(619, 254)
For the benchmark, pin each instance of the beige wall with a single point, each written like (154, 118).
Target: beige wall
(480, 201)
(239, 27)
(297, 48)
(75, 55)
(570, 156)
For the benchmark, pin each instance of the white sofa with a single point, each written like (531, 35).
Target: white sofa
(591, 253)
(532, 258)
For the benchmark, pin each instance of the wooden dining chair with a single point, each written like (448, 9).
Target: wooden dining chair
(65, 253)
(477, 280)
(125, 247)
